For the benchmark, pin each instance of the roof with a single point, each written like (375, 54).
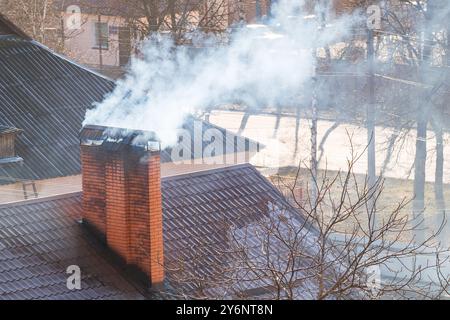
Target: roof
(117, 8)
(7, 130)
(39, 239)
(46, 95)
(9, 28)
(109, 136)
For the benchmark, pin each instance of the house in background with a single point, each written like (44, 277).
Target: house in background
(44, 97)
(98, 34)
(44, 101)
(134, 234)
(103, 34)
(139, 215)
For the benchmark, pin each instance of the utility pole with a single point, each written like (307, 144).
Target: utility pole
(373, 23)
(100, 41)
(313, 190)
(370, 117)
(258, 10)
(241, 11)
(313, 164)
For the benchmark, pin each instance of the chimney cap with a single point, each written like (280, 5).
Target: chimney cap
(8, 129)
(114, 138)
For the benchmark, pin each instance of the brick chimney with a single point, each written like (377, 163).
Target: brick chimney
(122, 195)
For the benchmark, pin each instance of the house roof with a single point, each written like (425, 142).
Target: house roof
(9, 28)
(39, 239)
(117, 8)
(8, 130)
(195, 129)
(46, 95)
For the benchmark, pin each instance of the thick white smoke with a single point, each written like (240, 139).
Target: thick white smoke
(261, 66)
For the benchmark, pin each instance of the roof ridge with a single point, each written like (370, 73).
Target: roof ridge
(206, 172)
(44, 47)
(19, 203)
(16, 31)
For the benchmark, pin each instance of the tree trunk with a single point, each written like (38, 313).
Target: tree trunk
(419, 168)
(241, 11)
(173, 20)
(421, 138)
(313, 164)
(370, 122)
(439, 173)
(258, 11)
(151, 8)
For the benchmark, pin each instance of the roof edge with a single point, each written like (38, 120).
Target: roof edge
(19, 203)
(207, 171)
(44, 47)
(15, 29)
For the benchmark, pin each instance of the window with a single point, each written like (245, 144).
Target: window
(101, 35)
(113, 30)
(8, 137)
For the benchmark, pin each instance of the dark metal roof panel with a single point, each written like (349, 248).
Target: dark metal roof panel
(7, 130)
(39, 240)
(46, 96)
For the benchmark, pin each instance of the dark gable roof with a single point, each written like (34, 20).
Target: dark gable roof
(9, 28)
(40, 239)
(119, 8)
(46, 95)
(8, 130)
(231, 143)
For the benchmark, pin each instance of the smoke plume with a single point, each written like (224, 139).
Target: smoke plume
(260, 66)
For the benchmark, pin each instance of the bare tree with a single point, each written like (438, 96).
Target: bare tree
(327, 248)
(423, 30)
(37, 18)
(178, 17)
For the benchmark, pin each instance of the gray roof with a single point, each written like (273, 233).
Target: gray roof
(8, 28)
(39, 239)
(45, 95)
(114, 138)
(7, 130)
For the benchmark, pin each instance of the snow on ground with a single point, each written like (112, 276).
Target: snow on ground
(282, 149)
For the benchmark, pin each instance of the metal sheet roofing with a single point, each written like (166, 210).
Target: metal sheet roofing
(9, 28)
(45, 95)
(40, 239)
(6, 129)
(195, 130)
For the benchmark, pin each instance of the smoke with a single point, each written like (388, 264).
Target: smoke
(261, 66)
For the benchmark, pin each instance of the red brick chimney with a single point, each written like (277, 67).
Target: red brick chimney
(122, 195)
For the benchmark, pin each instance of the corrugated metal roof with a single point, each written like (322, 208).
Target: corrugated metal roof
(6, 129)
(45, 95)
(9, 28)
(38, 240)
(231, 143)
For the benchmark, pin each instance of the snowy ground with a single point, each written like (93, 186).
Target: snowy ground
(290, 144)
